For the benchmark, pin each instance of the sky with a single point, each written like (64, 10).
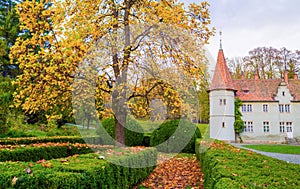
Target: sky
(247, 24)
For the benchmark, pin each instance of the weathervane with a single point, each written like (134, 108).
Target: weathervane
(220, 39)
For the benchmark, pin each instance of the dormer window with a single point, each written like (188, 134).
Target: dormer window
(245, 91)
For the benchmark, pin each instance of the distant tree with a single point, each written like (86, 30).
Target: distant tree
(9, 31)
(238, 122)
(6, 100)
(263, 61)
(290, 62)
(203, 101)
(267, 62)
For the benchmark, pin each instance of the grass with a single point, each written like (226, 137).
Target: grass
(283, 149)
(148, 125)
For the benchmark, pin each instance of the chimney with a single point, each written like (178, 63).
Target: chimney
(256, 75)
(286, 77)
(295, 76)
(242, 75)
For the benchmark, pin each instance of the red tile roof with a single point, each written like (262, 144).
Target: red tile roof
(221, 78)
(263, 89)
(256, 89)
(294, 87)
(250, 89)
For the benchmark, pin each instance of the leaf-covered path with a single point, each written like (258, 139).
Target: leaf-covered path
(178, 172)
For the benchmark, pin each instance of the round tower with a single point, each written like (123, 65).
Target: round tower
(221, 98)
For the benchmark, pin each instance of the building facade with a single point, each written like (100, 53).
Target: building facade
(271, 107)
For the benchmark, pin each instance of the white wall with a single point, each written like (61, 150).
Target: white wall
(221, 113)
(273, 116)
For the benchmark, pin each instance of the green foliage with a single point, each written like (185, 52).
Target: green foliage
(9, 30)
(238, 122)
(204, 130)
(6, 100)
(174, 143)
(133, 132)
(204, 102)
(197, 148)
(95, 173)
(225, 166)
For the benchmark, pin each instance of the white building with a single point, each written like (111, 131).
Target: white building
(271, 107)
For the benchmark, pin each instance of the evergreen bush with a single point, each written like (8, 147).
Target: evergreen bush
(133, 132)
(165, 139)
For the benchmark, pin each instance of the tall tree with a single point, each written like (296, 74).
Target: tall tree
(9, 31)
(69, 39)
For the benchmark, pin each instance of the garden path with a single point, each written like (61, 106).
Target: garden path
(177, 172)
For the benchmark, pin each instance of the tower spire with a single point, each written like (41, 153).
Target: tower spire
(220, 39)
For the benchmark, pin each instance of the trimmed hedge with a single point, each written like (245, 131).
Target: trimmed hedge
(59, 139)
(83, 171)
(227, 167)
(184, 129)
(132, 138)
(45, 151)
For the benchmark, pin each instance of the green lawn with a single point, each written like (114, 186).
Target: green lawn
(149, 126)
(284, 149)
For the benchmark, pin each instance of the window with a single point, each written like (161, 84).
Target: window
(266, 126)
(281, 127)
(265, 107)
(245, 128)
(283, 94)
(221, 101)
(244, 108)
(287, 108)
(289, 127)
(249, 107)
(284, 108)
(223, 124)
(248, 126)
(281, 108)
(224, 101)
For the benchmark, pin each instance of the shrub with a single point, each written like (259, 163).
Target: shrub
(225, 166)
(166, 140)
(133, 132)
(70, 173)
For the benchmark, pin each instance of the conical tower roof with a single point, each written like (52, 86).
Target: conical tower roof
(221, 78)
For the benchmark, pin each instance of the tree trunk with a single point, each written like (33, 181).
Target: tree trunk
(120, 114)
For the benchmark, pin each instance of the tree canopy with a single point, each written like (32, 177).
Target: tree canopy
(267, 62)
(110, 46)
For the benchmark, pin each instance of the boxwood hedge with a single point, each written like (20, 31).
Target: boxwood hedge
(45, 151)
(60, 139)
(227, 167)
(165, 132)
(134, 133)
(83, 171)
